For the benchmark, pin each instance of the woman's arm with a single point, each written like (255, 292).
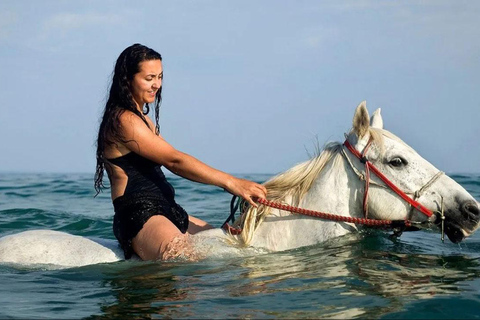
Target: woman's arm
(140, 139)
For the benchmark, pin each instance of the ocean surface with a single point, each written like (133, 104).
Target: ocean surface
(364, 276)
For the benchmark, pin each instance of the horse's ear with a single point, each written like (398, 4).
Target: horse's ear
(361, 120)
(376, 120)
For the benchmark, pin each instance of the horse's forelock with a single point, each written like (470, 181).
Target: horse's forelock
(378, 136)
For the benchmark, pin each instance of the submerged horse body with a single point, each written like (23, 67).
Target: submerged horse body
(333, 182)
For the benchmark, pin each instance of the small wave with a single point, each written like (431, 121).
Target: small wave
(15, 220)
(89, 227)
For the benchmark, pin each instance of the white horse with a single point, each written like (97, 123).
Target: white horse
(332, 182)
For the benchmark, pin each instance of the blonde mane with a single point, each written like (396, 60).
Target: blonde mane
(292, 184)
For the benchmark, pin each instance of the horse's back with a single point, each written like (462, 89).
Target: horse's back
(48, 247)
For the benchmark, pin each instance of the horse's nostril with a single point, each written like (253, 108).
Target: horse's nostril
(471, 208)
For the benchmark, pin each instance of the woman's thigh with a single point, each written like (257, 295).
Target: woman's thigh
(196, 225)
(159, 239)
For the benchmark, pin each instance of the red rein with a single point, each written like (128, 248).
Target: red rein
(363, 221)
(329, 216)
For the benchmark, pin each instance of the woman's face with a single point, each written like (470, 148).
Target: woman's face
(147, 82)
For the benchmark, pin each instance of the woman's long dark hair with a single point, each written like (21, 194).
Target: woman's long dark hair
(119, 100)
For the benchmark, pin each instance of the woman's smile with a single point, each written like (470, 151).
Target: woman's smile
(147, 82)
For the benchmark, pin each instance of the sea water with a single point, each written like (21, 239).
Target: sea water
(363, 276)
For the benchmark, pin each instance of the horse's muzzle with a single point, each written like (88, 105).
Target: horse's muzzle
(459, 225)
(471, 211)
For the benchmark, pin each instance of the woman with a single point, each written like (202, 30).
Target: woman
(147, 219)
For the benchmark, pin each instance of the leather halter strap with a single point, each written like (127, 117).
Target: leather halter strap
(370, 167)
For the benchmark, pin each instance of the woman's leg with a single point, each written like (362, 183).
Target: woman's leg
(160, 239)
(196, 225)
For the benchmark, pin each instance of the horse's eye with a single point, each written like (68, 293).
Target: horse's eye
(397, 162)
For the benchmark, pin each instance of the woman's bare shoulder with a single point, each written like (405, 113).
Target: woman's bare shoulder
(130, 120)
(128, 117)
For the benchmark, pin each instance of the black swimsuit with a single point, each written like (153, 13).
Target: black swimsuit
(148, 193)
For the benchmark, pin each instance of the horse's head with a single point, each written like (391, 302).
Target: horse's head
(412, 174)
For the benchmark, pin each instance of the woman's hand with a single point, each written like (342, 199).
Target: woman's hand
(246, 189)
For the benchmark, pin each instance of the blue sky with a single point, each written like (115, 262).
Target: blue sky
(249, 85)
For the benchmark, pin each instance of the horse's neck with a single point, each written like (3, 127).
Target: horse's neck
(337, 190)
(334, 191)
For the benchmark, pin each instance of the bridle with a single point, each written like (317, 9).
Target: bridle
(397, 225)
(370, 167)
